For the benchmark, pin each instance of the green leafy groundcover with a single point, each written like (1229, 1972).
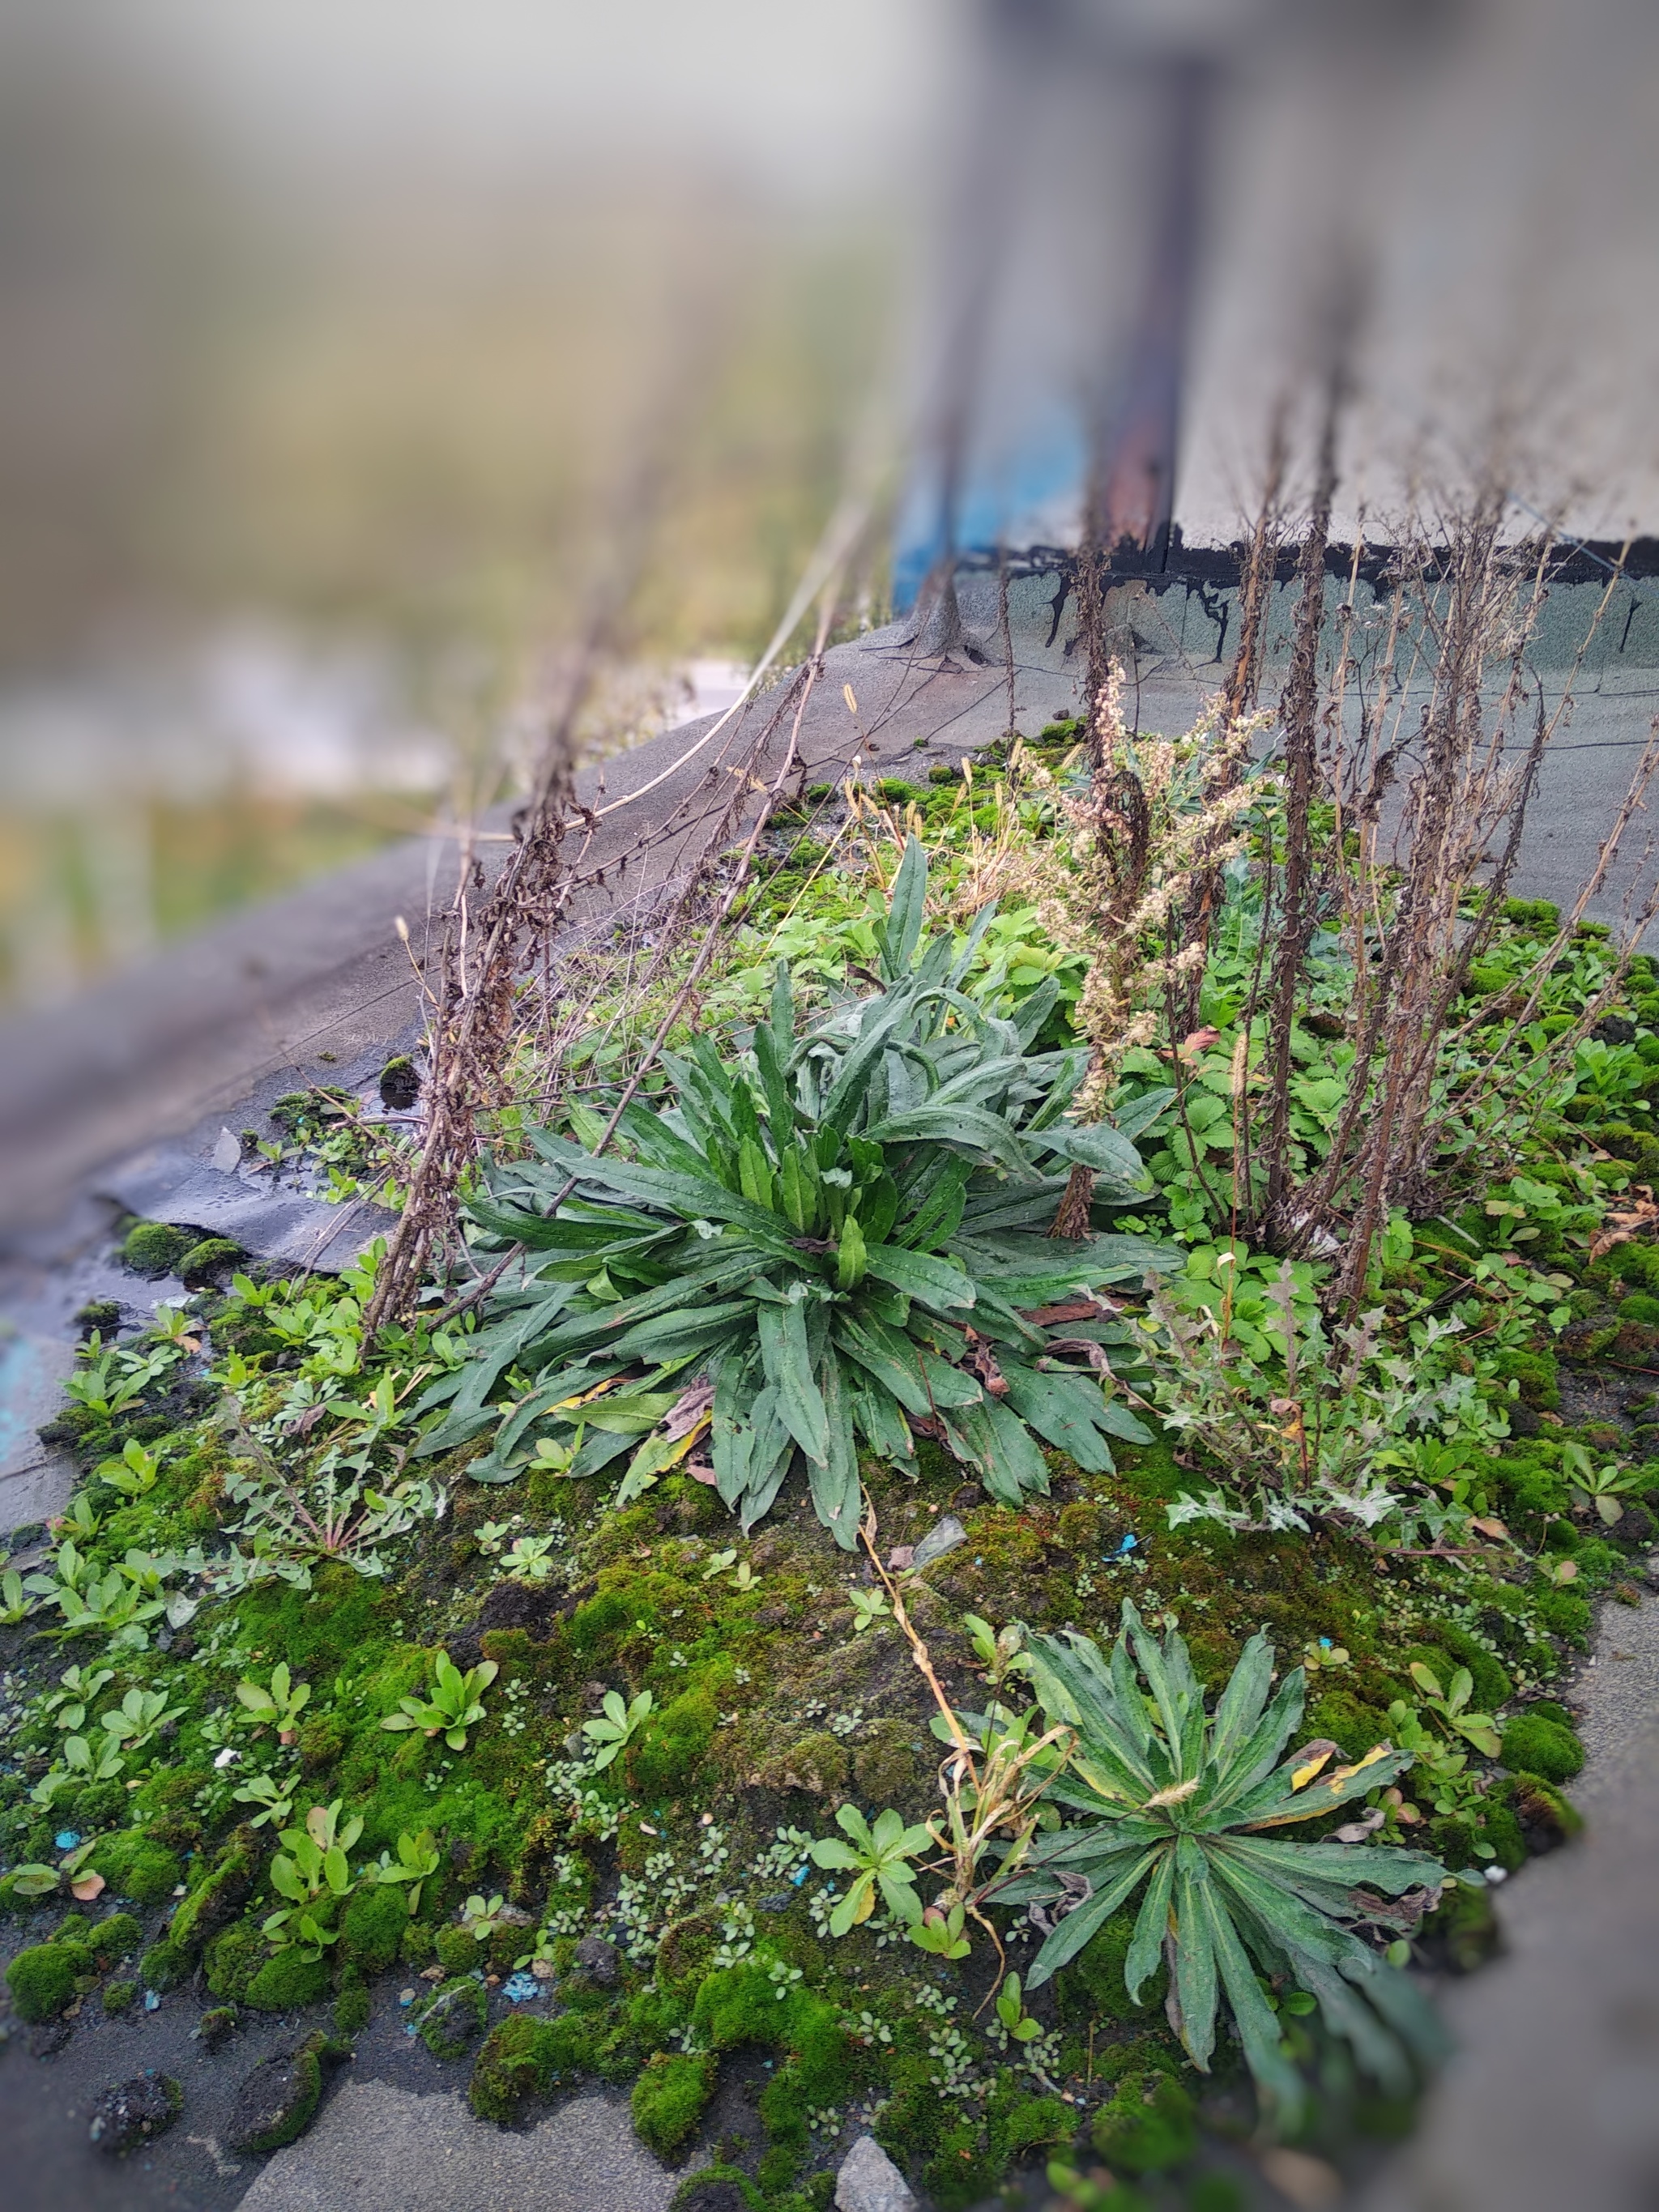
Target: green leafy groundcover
(781, 1693)
(834, 1239)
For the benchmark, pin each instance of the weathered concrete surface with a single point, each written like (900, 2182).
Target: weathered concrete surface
(1553, 2102)
(178, 1041)
(380, 2149)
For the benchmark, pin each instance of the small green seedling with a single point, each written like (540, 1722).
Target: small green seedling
(77, 1688)
(273, 1798)
(481, 1916)
(1011, 2011)
(531, 1559)
(312, 1873)
(1604, 1487)
(868, 1608)
(455, 1705)
(1451, 1707)
(417, 1862)
(941, 1933)
(136, 1473)
(619, 1726)
(878, 1857)
(279, 1706)
(1001, 1652)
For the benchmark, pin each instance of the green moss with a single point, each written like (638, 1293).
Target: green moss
(233, 1958)
(304, 2095)
(1347, 1721)
(686, 1947)
(211, 1257)
(670, 2098)
(218, 1896)
(152, 1249)
(458, 1950)
(1536, 1373)
(1462, 1929)
(526, 2058)
(373, 1925)
(817, 1762)
(694, 2192)
(1533, 1744)
(286, 1982)
(736, 2005)
(119, 1995)
(42, 1979)
(663, 1759)
(165, 1965)
(1541, 1809)
(1640, 1306)
(1149, 2126)
(136, 1866)
(886, 1766)
(454, 2017)
(1092, 1987)
(415, 1945)
(1562, 1613)
(321, 1742)
(351, 2009)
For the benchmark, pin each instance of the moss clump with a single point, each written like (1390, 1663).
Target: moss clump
(1533, 1743)
(322, 1743)
(666, 1755)
(1347, 1721)
(218, 1899)
(216, 2025)
(721, 2188)
(1149, 2126)
(279, 2099)
(136, 1866)
(1546, 1817)
(454, 2017)
(1092, 1986)
(670, 2098)
(117, 1997)
(1640, 1306)
(165, 1965)
(106, 1941)
(525, 2058)
(458, 1949)
(205, 1261)
(42, 1979)
(415, 1945)
(373, 1927)
(885, 1766)
(152, 1249)
(286, 1982)
(351, 2009)
(818, 1762)
(1462, 1931)
(233, 1959)
(686, 1948)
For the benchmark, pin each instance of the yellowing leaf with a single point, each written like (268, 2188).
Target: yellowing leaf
(1343, 1773)
(1305, 1774)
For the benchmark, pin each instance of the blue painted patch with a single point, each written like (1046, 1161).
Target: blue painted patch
(66, 1839)
(1128, 1545)
(152, 2001)
(519, 1989)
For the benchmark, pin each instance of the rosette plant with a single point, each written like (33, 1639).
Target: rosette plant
(834, 1237)
(1181, 1807)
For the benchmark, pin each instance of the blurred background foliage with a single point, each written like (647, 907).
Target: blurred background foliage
(311, 438)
